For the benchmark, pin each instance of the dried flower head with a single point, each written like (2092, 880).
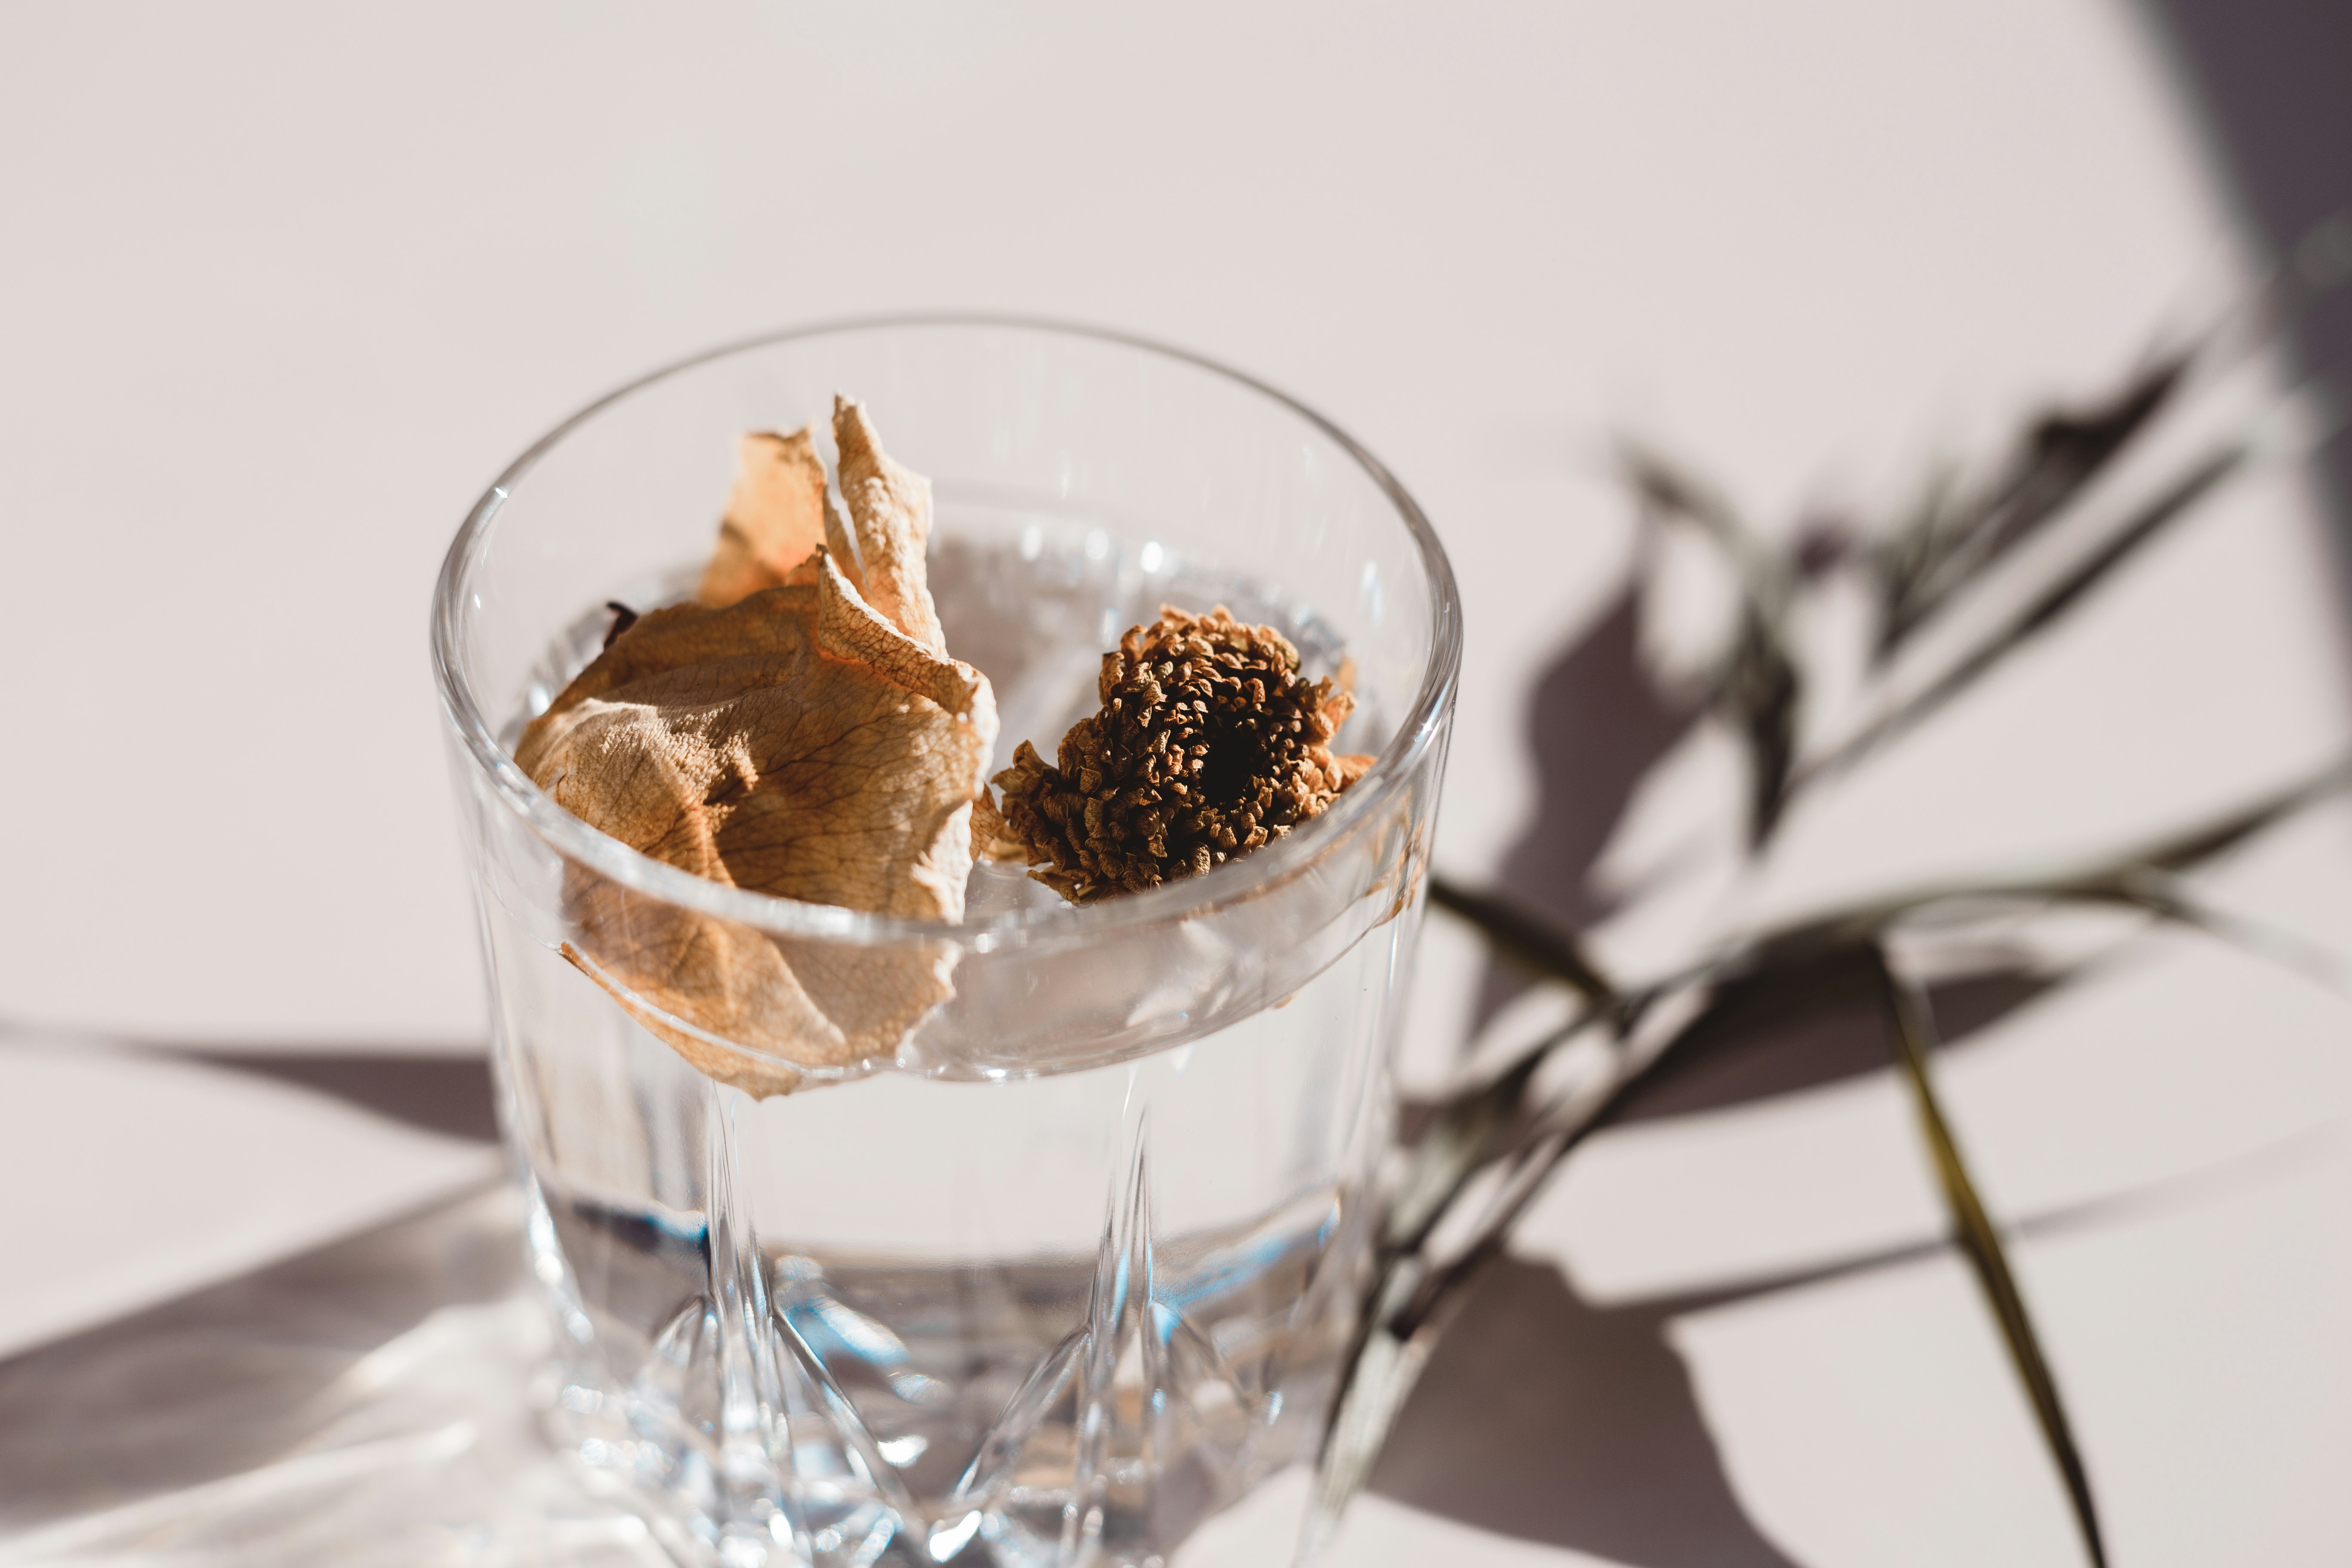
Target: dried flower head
(1208, 745)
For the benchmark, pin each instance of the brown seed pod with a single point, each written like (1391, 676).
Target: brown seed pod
(1208, 745)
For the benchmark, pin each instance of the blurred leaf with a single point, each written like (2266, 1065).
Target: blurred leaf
(1980, 1242)
(2137, 879)
(2120, 878)
(1904, 560)
(1759, 689)
(2162, 895)
(2056, 458)
(1492, 1121)
(1494, 1125)
(1644, 1028)
(1489, 1150)
(2193, 846)
(1797, 1025)
(1414, 1296)
(1462, 1139)
(1382, 1367)
(1671, 491)
(1526, 939)
(2052, 603)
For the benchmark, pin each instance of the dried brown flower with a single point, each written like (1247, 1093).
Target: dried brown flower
(1208, 745)
(797, 740)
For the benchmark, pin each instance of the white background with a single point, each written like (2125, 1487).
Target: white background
(281, 287)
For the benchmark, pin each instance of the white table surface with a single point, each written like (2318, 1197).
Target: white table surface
(283, 285)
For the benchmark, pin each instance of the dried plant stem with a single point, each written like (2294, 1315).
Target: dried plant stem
(2140, 878)
(2177, 499)
(1415, 1291)
(1912, 1032)
(1759, 689)
(1526, 939)
(1492, 1126)
(1490, 1149)
(2161, 894)
(1947, 547)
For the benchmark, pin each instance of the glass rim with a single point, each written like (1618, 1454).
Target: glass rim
(1170, 902)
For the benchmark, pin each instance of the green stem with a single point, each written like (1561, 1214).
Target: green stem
(1980, 1241)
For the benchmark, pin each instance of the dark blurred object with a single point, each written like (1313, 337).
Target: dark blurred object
(2273, 80)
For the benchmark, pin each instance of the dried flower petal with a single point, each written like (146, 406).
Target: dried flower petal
(774, 520)
(794, 743)
(993, 837)
(891, 510)
(1208, 746)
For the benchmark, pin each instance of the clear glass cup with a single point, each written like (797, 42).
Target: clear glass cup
(1073, 1263)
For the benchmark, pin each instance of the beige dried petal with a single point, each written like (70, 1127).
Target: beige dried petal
(890, 508)
(659, 1006)
(843, 549)
(793, 743)
(774, 517)
(993, 837)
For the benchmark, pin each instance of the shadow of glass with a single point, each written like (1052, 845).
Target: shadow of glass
(231, 1377)
(438, 1092)
(1547, 1418)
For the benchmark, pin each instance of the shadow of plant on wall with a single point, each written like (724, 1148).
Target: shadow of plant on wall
(1969, 578)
